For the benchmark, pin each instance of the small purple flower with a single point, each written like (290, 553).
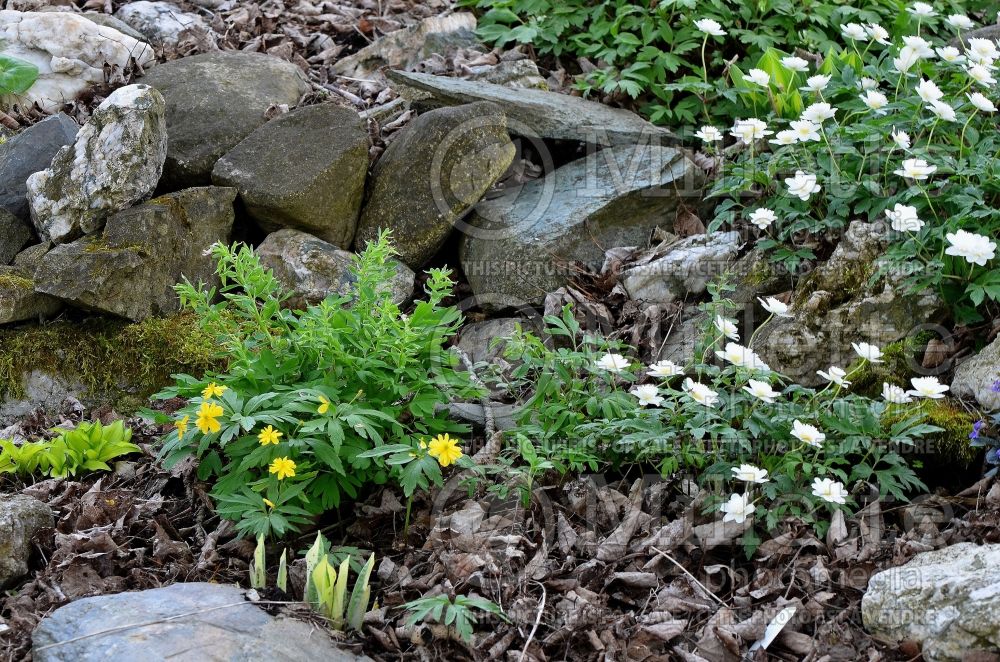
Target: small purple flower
(996, 386)
(976, 429)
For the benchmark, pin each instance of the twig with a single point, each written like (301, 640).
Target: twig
(534, 628)
(167, 619)
(488, 419)
(693, 578)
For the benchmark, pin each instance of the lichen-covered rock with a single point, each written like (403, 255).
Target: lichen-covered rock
(836, 307)
(214, 101)
(200, 620)
(315, 269)
(431, 174)
(525, 243)
(115, 162)
(15, 234)
(683, 268)
(28, 152)
(71, 53)
(21, 517)
(160, 22)
(18, 299)
(305, 170)
(979, 377)
(130, 269)
(948, 600)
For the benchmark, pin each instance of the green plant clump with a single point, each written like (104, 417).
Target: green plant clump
(89, 446)
(314, 400)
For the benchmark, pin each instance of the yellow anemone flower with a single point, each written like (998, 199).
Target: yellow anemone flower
(208, 415)
(283, 468)
(182, 426)
(269, 503)
(269, 436)
(324, 405)
(213, 390)
(445, 450)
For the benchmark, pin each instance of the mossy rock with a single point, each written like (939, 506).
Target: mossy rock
(951, 447)
(110, 361)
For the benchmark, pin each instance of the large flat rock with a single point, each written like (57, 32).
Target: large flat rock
(532, 112)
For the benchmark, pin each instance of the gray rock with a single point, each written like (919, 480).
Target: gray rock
(31, 256)
(975, 377)
(197, 620)
(948, 600)
(408, 47)
(476, 339)
(160, 22)
(70, 51)
(305, 170)
(315, 269)
(115, 162)
(18, 299)
(685, 268)
(754, 275)
(214, 101)
(109, 21)
(517, 74)
(441, 164)
(538, 113)
(525, 243)
(835, 306)
(28, 152)
(45, 391)
(683, 336)
(14, 235)
(21, 517)
(130, 269)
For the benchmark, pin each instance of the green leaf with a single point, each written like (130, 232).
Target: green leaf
(16, 75)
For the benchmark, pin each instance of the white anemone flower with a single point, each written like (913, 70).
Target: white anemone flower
(950, 54)
(835, 375)
(876, 101)
(763, 217)
(700, 393)
(802, 185)
(927, 387)
(829, 490)
(759, 77)
(901, 138)
(750, 130)
(647, 395)
(819, 112)
(982, 50)
(710, 27)
(928, 91)
(748, 473)
(709, 134)
(980, 101)
(761, 390)
(921, 46)
(816, 83)
(794, 63)
(960, 21)
(903, 218)
(805, 130)
(981, 74)
(915, 169)
(877, 33)
(737, 509)
(906, 59)
(614, 363)
(894, 394)
(922, 9)
(854, 32)
(727, 327)
(775, 307)
(975, 248)
(807, 434)
(784, 138)
(942, 110)
(868, 351)
(664, 369)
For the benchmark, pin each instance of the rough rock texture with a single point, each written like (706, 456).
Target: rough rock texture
(44, 391)
(115, 162)
(431, 174)
(214, 101)
(315, 269)
(18, 299)
(305, 169)
(679, 345)
(524, 244)
(31, 151)
(685, 268)
(70, 52)
(538, 113)
(512, 73)
(947, 599)
(235, 630)
(406, 48)
(476, 339)
(976, 376)
(15, 234)
(160, 22)
(110, 21)
(130, 269)
(835, 307)
(21, 517)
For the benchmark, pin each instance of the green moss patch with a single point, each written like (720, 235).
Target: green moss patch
(117, 361)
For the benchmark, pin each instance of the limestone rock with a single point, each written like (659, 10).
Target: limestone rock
(18, 299)
(130, 269)
(441, 164)
(836, 307)
(214, 101)
(315, 269)
(538, 113)
(517, 74)
(979, 377)
(28, 152)
(305, 169)
(179, 619)
(21, 517)
(115, 162)
(948, 600)
(108, 20)
(685, 268)
(160, 22)
(526, 242)
(70, 52)
(14, 235)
